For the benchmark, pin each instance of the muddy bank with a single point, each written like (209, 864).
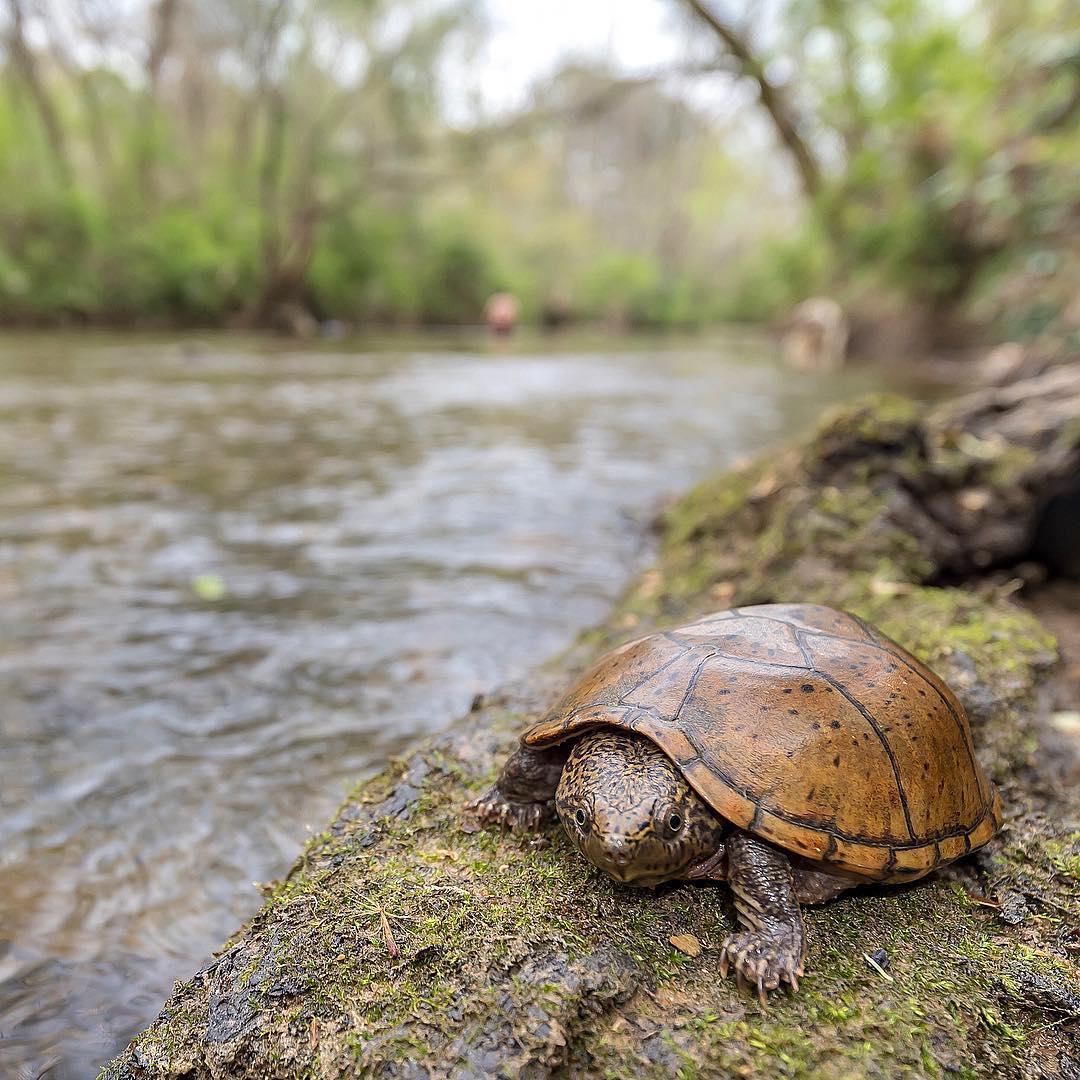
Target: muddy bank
(400, 946)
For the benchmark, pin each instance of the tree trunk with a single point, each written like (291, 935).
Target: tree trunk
(399, 945)
(25, 63)
(772, 97)
(165, 14)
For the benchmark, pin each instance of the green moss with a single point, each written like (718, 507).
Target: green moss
(940, 624)
(1064, 856)
(707, 507)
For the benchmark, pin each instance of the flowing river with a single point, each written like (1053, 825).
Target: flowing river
(236, 575)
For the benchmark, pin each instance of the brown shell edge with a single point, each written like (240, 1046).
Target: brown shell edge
(875, 862)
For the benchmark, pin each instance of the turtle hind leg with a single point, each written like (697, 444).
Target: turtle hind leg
(523, 796)
(817, 886)
(770, 948)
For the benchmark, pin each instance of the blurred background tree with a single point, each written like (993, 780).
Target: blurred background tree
(937, 145)
(182, 161)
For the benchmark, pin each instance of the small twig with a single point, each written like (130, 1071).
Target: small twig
(1067, 1018)
(878, 968)
(388, 936)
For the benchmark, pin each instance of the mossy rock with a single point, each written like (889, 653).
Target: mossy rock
(399, 945)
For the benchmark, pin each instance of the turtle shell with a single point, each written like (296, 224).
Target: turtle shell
(805, 726)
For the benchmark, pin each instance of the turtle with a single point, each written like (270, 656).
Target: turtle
(792, 750)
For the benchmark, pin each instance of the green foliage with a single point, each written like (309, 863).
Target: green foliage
(306, 157)
(182, 261)
(960, 135)
(45, 261)
(357, 271)
(456, 277)
(773, 279)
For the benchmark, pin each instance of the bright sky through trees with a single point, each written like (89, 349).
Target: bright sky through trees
(531, 38)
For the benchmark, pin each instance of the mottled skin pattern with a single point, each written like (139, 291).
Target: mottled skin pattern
(630, 812)
(522, 798)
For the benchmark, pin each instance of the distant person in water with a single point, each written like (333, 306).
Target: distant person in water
(501, 313)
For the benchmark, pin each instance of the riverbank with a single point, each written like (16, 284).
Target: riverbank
(398, 945)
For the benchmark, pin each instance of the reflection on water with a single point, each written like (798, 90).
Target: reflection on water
(234, 578)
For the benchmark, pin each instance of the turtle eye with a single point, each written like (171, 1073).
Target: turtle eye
(675, 821)
(580, 817)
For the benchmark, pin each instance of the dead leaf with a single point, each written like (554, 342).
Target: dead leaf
(877, 967)
(651, 581)
(880, 587)
(686, 943)
(765, 486)
(445, 853)
(723, 591)
(974, 499)
(1067, 721)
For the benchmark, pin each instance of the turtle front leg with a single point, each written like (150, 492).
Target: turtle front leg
(523, 797)
(770, 948)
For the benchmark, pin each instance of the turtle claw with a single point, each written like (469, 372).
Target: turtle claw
(761, 961)
(494, 810)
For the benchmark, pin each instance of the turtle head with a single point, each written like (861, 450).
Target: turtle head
(630, 811)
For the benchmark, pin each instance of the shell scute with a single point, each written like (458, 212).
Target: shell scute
(617, 675)
(924, 734)
(786, 739)
(816, 618)
(748, 637)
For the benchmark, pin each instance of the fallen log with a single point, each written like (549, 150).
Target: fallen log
(399, 945)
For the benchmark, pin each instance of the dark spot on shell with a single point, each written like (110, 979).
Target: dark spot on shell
(793, 712)
(836, 761)
(789, 753)
(835, 724)
(787, 689)
(922, 693)
(906, 715)
(816, 726)
(807, 688)
(926, 766)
